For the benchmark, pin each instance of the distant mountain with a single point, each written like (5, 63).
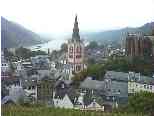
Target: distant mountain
(14, 35)
(116, 35)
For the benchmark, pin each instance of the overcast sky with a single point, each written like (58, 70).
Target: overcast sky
(57, 16)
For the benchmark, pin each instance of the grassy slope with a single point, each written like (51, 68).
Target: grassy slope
(44, 111)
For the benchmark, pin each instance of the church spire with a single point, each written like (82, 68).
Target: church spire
(75, 34)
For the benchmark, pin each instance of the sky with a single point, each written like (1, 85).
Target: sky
(57, 16)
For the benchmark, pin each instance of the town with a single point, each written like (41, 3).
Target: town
(93, 77)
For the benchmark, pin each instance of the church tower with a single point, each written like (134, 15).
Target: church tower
(76, 50)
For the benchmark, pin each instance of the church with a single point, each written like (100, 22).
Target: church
(75, 56)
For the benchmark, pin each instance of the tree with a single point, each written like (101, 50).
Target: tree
(23, 53)
(79, 77)
(92, 44)
(38, 52)
(8, 55)
(64, 47)
(97, 71)
(54, 55)
(141, 102)
(91, 61)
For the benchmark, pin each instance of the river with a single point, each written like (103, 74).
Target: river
(54, 44)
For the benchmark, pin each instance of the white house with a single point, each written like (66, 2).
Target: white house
(16, 93)
(95, 106)
(139, 83)
(5, 67)
(63, 103)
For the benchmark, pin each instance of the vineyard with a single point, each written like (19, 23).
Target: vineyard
(48, 111)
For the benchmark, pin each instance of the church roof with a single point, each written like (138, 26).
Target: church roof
(75, 35)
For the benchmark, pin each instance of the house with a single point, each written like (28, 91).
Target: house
(30, 87)
(93, 93)
(117, 76)
(4, 90)
(63, 89)
(116, 91)
(11, 80)
(7, 100)
(45, 88)
(5, 75)
(63, 103)
(5, 66)
(116, 87)
(138, 82)
(41, 62)
(17, 93)
(19, 68)
(111, 91)
(91, 84)
(95, 106)
(67, 97)
(27, 64)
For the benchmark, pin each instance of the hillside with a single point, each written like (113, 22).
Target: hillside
(116, 35)
(14, 35)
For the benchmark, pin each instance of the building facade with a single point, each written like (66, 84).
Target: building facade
(138, 83)
(45, 90)
(138, 45)
(76, 50)
(5, 66)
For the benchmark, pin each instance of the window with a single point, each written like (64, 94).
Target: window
(33, 87)
(145, 86)
(78, 56)
(94, 104)
(78, 68)
(70, 56)
(71, 49)
(63, 86)
(29, 88)
(107, 97)
(151, 87)
(78, 50)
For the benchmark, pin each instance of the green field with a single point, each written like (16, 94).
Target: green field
(47, 111)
